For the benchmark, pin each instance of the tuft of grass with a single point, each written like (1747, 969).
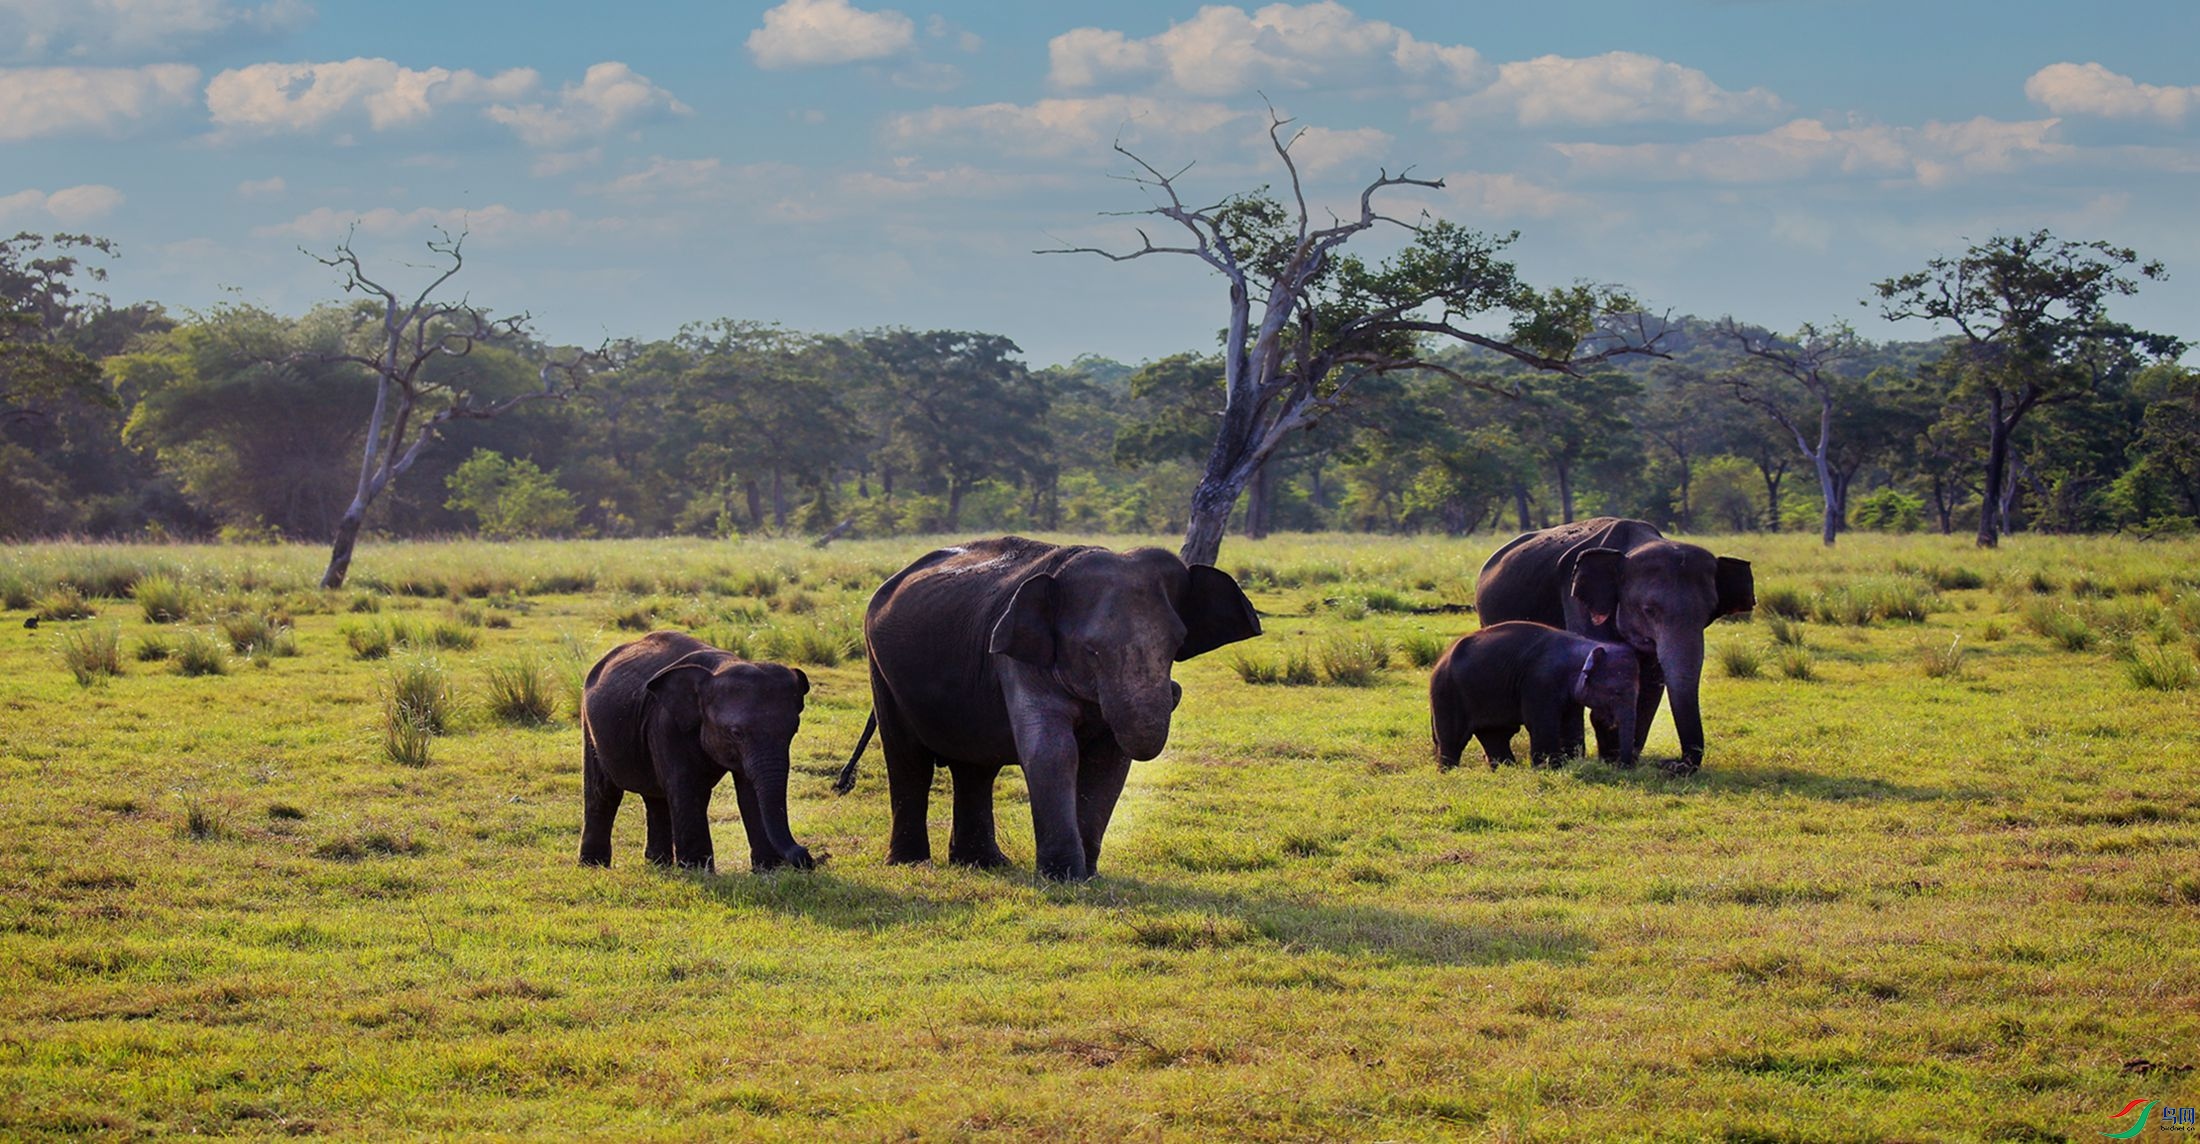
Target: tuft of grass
(418, 692)
(154, 647)
(1741, 660)
(1785, 632)
(364, 603)
(1796, 663)
(2162, 668)
(1875, 600)
(202, 823)
(2061, 626)
(522, 691)
(1352, 660)
(258, 634)
(1294, 668)
(370, 640)
(63, 602)
(1993, 632)
(1783, 601)
(810, 641)
(163, 599)
(93, 654)
(1351, 607)
(200, 654)
(447, 635)
(1421, 649)
(1943, 662)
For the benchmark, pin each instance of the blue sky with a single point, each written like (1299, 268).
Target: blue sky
(835, 165)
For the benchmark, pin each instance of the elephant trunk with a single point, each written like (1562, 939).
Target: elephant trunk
(767, 773)
(1138, 714)
(1680, 660)
(1624, 733)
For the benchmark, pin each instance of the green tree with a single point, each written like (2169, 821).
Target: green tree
(965, 411)
(510, 498)
(2031, 314)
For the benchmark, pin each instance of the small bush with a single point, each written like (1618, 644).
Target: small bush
(2162, 669)
(64, 602)
(522, 692)
(1796, 663)
(368, 640)
(154, 647)
(1353, 661)
(1943, 662)
(1783, 601)
(1254, 669)
(1351, 607)
(1422, 649)
(200, 654)
(93, 654)
(1740, 660)
(258, 635)
(1785, 632)
(163, 599)
(419, 690)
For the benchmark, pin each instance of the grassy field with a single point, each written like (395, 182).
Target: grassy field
(1939, 878)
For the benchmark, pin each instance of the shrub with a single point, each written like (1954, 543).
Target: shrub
(1795, 663)
(1783, 601)
(419, 685)
(1740, 660)
(2162, 669)
(368, 640)
(64, 602)
(1943, 662)
(93, 653)
(1422, 649)
(154, 647)
(200, 654)
(163, 599)
(1256, 669)
(522, 691)
(1353, 661)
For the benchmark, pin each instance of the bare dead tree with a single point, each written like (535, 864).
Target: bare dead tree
(1307, 322)
(1808, 359)
(412, 403)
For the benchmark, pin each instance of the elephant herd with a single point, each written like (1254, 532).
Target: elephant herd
(1057, 659)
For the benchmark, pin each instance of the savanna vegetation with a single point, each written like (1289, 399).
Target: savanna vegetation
(283, 860)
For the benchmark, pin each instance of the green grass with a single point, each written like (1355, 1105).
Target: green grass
(1887, 908)
(92, 652)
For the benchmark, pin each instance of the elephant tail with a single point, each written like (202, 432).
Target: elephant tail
(847, 780)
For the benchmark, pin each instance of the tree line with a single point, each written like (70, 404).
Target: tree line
(2037, 413)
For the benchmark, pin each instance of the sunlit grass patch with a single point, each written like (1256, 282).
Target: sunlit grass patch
(197, 653)
(521, 691)
(2162, 668)
(1740, 660)
(92, 652)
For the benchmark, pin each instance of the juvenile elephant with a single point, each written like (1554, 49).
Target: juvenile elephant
(666, 717)
(1056, 659)
(1491, 682)
(1622, 581)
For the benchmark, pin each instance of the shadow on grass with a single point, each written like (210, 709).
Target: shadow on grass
(827, 898)
(1713, 779)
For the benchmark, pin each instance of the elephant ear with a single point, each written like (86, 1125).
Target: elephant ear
(1737, 588)
(1597, 575)
(1026, 631)
(801, 681)
(677, 681)
(1591, 664)
(1215, 612)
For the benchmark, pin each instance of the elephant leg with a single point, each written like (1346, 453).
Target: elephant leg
(658, 849)
(1047, 748)
(690, 813)
(1101, 773)
(971, 838)
(1608, 744)
(1650, 692)
(600, 799)
(1497, 745)
(1547, 740)
(762, 855)
(908, 786)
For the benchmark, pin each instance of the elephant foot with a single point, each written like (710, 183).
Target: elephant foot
(1683, 767)
(986, 859)
(588, 859)
(908, 857)
(1061, 870)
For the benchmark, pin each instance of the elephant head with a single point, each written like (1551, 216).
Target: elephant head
(1110, 625)
(1608, 683)
(1660, 597)
(745, 716)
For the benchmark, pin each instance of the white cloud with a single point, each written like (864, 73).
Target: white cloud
(274, 97)
(1224, 51)
(1319, 150)
(1616, 87)
(961, 182)
(39, 102)
(553, 163)
(1477, 195)
(811, 33)
(137, 29)
(2090, 89)
(490, 223)
(69, 206)
(255, 188)
(1063, 126)
(1932, 154)
(611, 96)
(665, 177)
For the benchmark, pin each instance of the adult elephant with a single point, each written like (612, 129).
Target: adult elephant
(1017, 652)
(1623, 581)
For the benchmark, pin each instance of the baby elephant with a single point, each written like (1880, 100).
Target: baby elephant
(665, 717)
(1491, 682)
